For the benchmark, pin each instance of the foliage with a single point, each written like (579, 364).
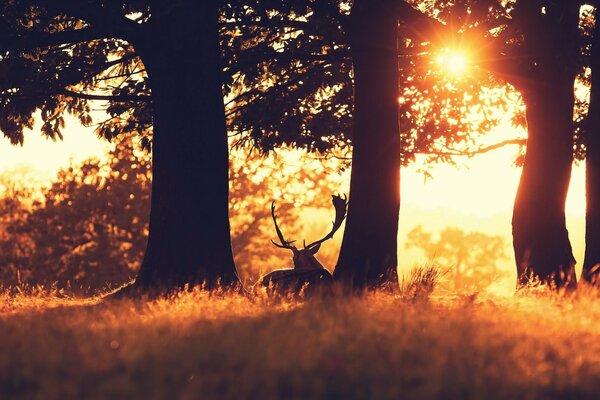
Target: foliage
(471, 257)
(60, 56)
(287, 74)
(290, 82)
(90, 228)
(512, 40)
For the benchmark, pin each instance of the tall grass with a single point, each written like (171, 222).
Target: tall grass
(380, 345)
(420, 282)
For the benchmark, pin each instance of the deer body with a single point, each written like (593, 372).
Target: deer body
(294, 280)
(308, 273)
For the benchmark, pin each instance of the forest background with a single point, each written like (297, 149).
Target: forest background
(473, 197)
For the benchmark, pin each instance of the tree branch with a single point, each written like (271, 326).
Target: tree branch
(79, 95)
(481, 150)
(122, 98)
(103, 18)
(35, 40)
(246, 60)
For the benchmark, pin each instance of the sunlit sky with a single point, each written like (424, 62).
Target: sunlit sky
(45, 156)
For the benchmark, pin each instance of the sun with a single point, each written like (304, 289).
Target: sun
(453, 62)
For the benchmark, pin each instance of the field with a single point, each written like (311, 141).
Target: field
(379, 345)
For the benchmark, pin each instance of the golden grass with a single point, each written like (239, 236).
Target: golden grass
(203, 345)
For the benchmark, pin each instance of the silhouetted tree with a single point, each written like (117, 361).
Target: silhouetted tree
(531, 44)
(534, 45)
(369, 247)
(546, 65)
(58, 56)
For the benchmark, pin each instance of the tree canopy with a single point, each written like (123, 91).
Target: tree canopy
(290, 79)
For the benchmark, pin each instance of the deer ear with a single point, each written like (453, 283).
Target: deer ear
(315, 249)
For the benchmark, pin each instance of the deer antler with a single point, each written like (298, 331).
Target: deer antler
(284, 243)
(340, 204)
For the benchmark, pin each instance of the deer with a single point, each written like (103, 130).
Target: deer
(308, 273)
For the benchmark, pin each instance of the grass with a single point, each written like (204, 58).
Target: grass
(381, 345)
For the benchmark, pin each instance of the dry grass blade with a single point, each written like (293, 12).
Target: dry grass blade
(420, 283)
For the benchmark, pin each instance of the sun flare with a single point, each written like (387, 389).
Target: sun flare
(453, 62)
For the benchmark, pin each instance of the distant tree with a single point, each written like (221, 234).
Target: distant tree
(90, 227)
(16, 202)
(471, 257)
(157, 66)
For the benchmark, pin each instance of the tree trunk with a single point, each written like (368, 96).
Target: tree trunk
(591, 263)
(368, 256)
(540, 238)
(189, 240)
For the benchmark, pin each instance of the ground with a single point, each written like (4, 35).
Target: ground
(379, 346)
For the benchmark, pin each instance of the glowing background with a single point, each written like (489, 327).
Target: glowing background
(475, 196)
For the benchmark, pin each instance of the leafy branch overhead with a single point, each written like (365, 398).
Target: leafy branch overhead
(287, 73)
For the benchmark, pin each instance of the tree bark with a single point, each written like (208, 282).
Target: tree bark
(591, 263)
(368, 256)
(189, 240)
(540, 238)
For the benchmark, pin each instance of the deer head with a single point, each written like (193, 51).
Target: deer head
(305, 258)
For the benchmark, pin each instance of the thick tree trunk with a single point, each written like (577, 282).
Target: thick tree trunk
(591, 263)
(189, 241)
(368, 256)
(540, 238)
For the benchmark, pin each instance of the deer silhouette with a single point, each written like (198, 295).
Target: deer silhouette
(307, 272)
